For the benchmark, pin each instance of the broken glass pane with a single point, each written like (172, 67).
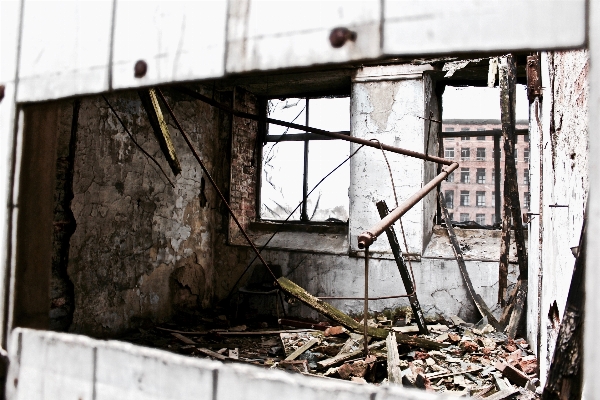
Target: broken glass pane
(281, 183)
(288, 110)
(329, 202)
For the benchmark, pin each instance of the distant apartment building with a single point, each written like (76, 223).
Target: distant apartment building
(470, 190)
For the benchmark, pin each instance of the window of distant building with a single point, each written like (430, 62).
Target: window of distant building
(464, 217)
(449, 196)
(516, 155)
(465, 154)
(480, 154)
(526, 154)
(464, 175)
(464, 197)
(480, 219)
(450, 177)
(526, 200)
(480, 199)
(449, 153)
(526, 177)
(480, 175)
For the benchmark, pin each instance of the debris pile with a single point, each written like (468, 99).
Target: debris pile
(473, 360)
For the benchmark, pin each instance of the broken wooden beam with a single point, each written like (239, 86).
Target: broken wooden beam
(159, 127)
(393, 360)
(409, 285)
(184, 339)
(302, 349)
(512, 208)
(212, 354)
(479, 303)
(345, 320)
(340, 358)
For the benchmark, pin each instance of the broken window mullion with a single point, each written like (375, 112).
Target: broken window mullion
(304, 213)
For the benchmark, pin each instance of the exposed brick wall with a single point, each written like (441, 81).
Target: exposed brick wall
(245, 161)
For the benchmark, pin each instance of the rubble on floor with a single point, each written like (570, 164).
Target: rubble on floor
(476, 362)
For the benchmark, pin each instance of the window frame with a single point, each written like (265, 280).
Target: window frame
(305, 137)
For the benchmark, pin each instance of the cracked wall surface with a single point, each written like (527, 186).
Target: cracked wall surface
(143, 250)
(564, 159)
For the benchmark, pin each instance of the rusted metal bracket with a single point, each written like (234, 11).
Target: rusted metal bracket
(409, 285)
(368, 237)
(534, 77)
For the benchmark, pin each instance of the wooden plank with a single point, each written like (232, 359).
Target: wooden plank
(184, 339)
(227, 333)
(565, 378)
(340, 358)
(212, 354)
(445, 374)
(512, 207)
(355, 340)
(159, 126)
(450, 26)
(302, 349)
(479, 303)
(343, 319)
(404, 273)
(393, 360)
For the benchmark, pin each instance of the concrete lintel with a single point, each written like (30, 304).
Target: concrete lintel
(390, 72)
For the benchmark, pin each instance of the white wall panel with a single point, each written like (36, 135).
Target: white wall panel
(179, 40)
(265, 34)
(445, 26)
(65, 49)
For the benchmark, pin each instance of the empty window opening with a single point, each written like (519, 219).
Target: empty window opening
(473, 113)
(294, 161)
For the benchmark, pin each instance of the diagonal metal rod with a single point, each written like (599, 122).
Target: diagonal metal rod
(213, 183)
(335, 135)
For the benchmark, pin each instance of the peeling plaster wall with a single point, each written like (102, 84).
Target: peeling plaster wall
(143, 249)
(565, 182)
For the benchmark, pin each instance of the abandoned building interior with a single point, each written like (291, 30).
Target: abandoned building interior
(269, 217)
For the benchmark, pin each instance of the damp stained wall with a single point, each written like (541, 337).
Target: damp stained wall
(564, 176)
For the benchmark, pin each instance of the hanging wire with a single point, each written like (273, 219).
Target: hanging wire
(136, 143)
(286, 220)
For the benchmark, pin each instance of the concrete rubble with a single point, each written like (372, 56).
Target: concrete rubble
(477, 361)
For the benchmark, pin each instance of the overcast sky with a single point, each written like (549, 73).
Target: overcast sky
(480, 103)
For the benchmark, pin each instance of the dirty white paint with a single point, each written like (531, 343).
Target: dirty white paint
(265, 35)
(179, 41)
(565, 182)
(65, 49)
(438, 26)
(388, 104)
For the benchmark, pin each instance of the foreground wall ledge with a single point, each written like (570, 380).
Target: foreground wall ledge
(50, 365)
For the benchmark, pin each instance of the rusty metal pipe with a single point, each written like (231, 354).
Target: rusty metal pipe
(334, 135)
(367, 238)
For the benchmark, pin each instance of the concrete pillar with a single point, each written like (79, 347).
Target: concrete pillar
(389, 104)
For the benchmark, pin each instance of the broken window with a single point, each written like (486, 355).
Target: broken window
(449, 152)
(464, 175)
(465, 154)
(295, 161)
(480, 199)
(480, 175)
(480, 219)
(464, 197)
(449, 196)
(481, 154)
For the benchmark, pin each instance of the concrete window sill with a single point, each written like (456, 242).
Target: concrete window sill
(314, 238)
(476, 244)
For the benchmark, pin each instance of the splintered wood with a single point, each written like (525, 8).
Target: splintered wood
(331, 312)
